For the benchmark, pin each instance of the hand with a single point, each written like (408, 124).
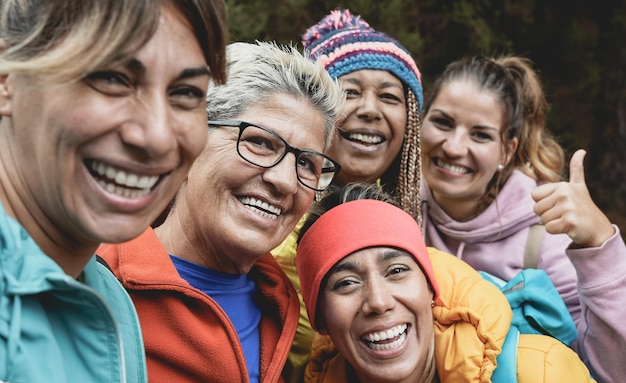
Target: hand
(567, 207)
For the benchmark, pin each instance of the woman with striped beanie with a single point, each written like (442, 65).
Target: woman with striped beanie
(378, 132)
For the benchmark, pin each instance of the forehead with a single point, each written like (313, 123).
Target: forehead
(296, 120)
(372, 257)
(382, 78)
(465, 99)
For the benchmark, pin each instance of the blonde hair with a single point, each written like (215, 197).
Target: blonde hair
(67, 39)
(538, 154)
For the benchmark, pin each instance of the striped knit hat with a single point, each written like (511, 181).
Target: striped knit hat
(346, 43)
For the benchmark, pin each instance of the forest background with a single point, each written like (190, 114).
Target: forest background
(578, 48)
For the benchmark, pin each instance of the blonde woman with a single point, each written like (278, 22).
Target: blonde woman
(102, 115)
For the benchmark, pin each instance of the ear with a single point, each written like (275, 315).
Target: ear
(6, 94)
(511, 148)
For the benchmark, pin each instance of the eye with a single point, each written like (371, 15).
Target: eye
(187, 97)
(259, 143)
(109, 82)
(308, 162)
(390, 97)
(481, 136)
(351, 93)
(441, 123)
(397, 271)
(345, 284)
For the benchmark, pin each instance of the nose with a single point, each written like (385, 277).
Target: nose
(369, 107)
(150, 127)
(455, 143)
(283, 175)
(378, 298)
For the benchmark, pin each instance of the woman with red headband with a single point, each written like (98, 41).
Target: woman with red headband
(372, 290)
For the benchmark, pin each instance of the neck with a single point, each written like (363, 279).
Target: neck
(185, 239)
(70, 254)
(430, 376)
(459, 209)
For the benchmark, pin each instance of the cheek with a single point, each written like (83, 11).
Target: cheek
(206, 170)
(397, 122)
(336, 315)
(418, 297)
(191, 135)
(488, 158)
(349, 107)
(303, 200)
(429, 136)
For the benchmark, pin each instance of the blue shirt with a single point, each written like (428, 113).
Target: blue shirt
(235, 295)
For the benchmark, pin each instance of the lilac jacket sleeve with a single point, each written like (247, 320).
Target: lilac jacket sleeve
(602, 291)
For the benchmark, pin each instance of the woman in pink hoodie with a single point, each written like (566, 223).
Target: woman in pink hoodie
(491, 171)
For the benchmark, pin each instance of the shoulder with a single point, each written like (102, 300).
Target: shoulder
(326, 364)
(472, 319)
(274, 284)
(143, 255)
(518, 189)
(542, 358)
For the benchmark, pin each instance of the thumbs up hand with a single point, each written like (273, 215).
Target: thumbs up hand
(567, 207)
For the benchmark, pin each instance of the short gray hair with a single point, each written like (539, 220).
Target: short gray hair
(259, 70)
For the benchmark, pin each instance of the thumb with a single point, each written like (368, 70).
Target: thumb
(576, 167)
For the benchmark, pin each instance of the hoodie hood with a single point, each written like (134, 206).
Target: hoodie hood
(511, 211)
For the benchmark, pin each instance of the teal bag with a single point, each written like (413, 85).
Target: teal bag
(537, 306)
(537, 309)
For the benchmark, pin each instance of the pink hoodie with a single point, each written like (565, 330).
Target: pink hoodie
(592, 281)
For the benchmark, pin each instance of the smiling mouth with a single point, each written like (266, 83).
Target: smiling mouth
(451, 168)
(362, 138)
(261, 207)
(386, 340)
(120, 182)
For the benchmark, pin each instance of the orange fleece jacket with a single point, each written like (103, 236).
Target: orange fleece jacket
(187, 336)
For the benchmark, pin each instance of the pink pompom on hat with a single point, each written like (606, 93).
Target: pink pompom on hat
(351, 227)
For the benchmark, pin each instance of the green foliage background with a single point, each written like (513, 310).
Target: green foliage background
(578, 48)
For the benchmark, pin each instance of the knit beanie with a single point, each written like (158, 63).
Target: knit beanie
(351, 227)
(346, 43)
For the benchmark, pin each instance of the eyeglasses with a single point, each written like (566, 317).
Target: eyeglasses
(265, 148)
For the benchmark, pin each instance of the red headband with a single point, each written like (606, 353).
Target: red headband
(350, 227)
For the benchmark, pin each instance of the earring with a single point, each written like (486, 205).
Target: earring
(432, 303)
(500, 167)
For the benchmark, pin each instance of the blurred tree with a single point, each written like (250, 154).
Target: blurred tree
(577, 47)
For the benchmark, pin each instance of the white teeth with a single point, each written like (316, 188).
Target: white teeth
(366, 138)
(388, 346)
(398, 332)
(122, 183)
(453, 168)
(388, 334)
(261, 207)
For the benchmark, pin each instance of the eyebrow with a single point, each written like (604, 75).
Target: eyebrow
(390, 254)
(482, 127)
(385, 84)
(138, 68)
(194, 72)
(387, 255)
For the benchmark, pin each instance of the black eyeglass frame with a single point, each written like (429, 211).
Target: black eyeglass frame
(242, 125)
